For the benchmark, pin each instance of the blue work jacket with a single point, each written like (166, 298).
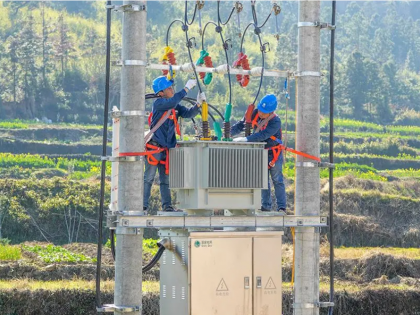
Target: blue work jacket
(165, 134)
(273, 128)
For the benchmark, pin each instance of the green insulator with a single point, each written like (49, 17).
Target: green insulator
(200, 60)
(217, 130)
(207, 78)
(228, 112)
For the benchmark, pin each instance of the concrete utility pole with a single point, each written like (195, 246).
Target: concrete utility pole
(307, 192)
(128, 273)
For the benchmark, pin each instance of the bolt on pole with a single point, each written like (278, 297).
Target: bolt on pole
(307, 189)
(128, 264)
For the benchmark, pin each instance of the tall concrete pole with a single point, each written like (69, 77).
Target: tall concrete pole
(128, 273)
(307, 190)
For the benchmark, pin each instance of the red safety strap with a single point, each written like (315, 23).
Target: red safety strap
(282, 147)
(150, 151)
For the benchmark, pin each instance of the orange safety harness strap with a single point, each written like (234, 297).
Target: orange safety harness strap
(278, 148)
(152, 149)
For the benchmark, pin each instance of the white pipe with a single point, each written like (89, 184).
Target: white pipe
(223, 70)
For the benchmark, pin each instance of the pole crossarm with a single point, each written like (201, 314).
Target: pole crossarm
(263, 221)
(221, 70)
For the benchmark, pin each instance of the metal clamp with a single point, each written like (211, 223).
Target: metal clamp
(317, 24)
(121, 63)
(315, 164)
(307, 74)
(122, 158)
(109, 308)
(127, 7)
(128, 230)
(312, 305)
(125, 113)
(306, 164)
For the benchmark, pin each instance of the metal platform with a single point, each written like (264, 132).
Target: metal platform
(182, 220)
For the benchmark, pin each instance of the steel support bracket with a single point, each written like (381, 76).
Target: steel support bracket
(122, 158)
(126, 113)
(128, 230)
(111, 219)
(307, 74)
(127, 7)
(121, 63)
(321, 25)
(195, 221)
(110, 308)
(312, 305)
(315, 164)
(325, 304)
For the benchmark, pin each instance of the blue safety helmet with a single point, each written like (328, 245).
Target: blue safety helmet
(268, 104)
(161, 83)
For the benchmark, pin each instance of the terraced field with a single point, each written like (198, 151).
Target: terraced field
(50, 196)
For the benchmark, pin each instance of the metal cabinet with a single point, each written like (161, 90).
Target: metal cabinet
(235, 273)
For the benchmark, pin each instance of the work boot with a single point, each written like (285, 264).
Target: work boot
(264, 209)
(169, 209)
(282, 211)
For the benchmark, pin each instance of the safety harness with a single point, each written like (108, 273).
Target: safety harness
(152, 149)
(277, 148)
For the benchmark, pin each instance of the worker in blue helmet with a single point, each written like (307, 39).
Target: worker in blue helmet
(267, 128)
(163, 122)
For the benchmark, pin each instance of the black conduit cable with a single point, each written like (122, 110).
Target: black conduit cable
(185, 29)
(331, 170)
(155, 259)
(169, 28)
(219, 30)
(218, 14)
(186, 10)
(112, 239)
(103, 165)
(262, 55)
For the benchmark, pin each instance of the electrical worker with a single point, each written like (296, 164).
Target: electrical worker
(161, 137)
(267, 128)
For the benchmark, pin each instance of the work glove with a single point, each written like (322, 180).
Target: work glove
(201, 97)
(190, 84)
(240, 139)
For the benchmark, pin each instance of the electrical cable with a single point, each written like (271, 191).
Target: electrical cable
(218, 14)
(331, 171)
(169, 27)
(154, 260)
(186, 10)
(262, 56)
(103, 164)
(112, 239)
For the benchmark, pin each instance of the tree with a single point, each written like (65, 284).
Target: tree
(357, 83)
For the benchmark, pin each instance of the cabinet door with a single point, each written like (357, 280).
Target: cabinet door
(267, 276)
(221, 276)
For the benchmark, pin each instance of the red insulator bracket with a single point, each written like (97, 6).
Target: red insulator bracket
(242, 62)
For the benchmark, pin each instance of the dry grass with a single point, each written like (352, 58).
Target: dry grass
(106, 286)
(359, 252)
(352, 287)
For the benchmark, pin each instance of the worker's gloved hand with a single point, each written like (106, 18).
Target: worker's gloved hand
(240, 139)
(190, 84)
(201, 97)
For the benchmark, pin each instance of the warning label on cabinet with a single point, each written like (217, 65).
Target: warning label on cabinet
(222, 288)
(270, 285)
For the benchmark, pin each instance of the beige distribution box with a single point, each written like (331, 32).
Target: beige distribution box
(229, 273)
